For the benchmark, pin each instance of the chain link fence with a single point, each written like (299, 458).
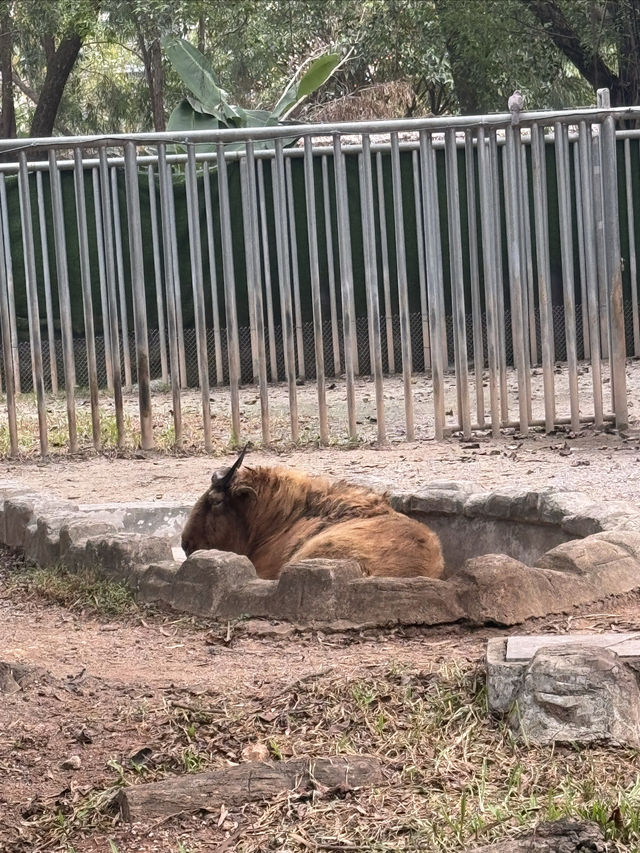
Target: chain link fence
(244, 336)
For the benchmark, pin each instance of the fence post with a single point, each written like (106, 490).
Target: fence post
(8, 353)
(197, 288)
(137, 284)
(617, 344)
(112, 295)
(32, 301)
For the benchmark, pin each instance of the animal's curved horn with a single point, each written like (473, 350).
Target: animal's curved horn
(221, 481)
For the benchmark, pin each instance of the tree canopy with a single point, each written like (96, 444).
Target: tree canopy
(98, 66)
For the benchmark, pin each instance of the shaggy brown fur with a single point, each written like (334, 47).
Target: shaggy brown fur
(276, 516)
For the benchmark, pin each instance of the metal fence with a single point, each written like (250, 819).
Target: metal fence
(479, 240)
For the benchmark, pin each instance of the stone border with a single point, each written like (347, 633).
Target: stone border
(134, 543)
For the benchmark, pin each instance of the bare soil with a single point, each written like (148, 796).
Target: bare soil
(179, 695)
(601, 463)
(107, 690)
(604, 465)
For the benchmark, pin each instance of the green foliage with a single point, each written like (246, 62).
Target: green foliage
(211, 108)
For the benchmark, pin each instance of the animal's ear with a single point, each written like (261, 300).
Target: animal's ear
(221, 480)
(245, 492)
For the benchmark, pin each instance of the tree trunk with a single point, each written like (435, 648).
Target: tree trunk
(627, 22)
(58, 71)
(466, 88)
(8, 116)
(154, 73)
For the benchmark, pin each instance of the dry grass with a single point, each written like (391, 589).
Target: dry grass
(455, 776)
(81, 590)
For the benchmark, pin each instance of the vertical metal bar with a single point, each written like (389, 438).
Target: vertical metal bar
(314, 271)
(7, 352)
(102, 275)
(386, 279)
(614, 273)
(13, 323)
(487, 221)
(591, 266)
(584, 313)
(457, 283)
(333, 308)
(566, 245)
(403, 293)
(539, 173)
(137, 285)
(107, 223)
(229, 293)
(197, 283)
(365, 251)
(124, 323)
(249, 268)
(32, 296)
(46, 275)
(434, 277)
(515, 274)
(268, 283)
(524, 270)
(256, 291)
(284, 283)
(167, 228)
(295, 274)
(600, 247)
(331, 281)
(526, 225)
(177, 286)
(474, 274)
(371, 283)
(346, 279)
(422, 278)
(633, 266)
(157, 270)
(213, 274)
(87, 300)
(502, 350)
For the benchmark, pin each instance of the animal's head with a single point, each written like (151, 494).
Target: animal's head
(219, 518)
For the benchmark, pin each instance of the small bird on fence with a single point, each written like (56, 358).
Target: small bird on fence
(515, 102)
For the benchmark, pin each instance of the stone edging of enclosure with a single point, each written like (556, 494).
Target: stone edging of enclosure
(134, 543)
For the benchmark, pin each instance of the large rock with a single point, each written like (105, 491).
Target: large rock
(123, 557)
(495, 588)
(404, 601)
(577, 694)
(207, 578)
(559, 836)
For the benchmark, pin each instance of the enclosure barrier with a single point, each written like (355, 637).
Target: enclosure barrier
(427, 247)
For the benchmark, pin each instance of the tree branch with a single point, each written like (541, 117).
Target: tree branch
(592, 67)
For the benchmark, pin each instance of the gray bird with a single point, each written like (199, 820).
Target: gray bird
(515, 103)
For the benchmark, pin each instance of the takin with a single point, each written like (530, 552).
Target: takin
(275, 516)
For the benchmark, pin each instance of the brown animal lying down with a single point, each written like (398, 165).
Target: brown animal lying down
(275, 516)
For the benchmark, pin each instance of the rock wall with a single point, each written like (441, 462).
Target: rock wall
(135, 543)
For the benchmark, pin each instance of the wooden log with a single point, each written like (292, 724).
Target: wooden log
(253, 780)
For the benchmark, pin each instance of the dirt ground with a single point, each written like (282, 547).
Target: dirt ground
(603, 465)
(104, 690)
(600, 463)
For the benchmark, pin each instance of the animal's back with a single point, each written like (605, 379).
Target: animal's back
(389, 545)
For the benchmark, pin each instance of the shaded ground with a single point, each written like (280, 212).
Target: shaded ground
(178, 696)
